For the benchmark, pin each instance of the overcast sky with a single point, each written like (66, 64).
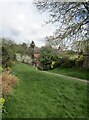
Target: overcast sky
(20, 20)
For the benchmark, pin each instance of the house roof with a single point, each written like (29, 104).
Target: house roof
(36, 55)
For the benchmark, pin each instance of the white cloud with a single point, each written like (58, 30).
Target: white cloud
(20, 20)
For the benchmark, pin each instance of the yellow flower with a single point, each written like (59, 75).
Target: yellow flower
(2, 100)
(53, 62)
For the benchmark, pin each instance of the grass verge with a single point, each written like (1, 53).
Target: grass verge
(73, 72)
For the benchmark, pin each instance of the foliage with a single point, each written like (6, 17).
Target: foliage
(2, 107)
(57, 63)
(65, 62)
(65, 59)
(2, 100)
(47, 57)
(8, 80)
(11, 50)
(1, 69)
(14, 48)
(79, 61)
(10, 46)
(82, 45)
(72, 19)
(70, 61)
(32, 44)
(5, 58)
(70, 52)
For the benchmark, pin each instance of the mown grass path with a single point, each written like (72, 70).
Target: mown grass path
(80, 73)
(68, 77)
(42, 95)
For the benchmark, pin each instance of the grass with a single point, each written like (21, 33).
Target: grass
(41, 95)
(73, 72)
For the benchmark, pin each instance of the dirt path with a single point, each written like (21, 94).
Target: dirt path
(72, 78)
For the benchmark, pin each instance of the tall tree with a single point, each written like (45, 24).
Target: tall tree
(72, 19)
(32, 50)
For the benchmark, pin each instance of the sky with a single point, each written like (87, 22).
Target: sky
(21, 21)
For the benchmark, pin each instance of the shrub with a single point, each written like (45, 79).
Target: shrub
(79, 61)
(5, 58)
(8, 80)
(67, 62)
(2, 101)
(52, 64)
(46, 60)
(58, 63)
(74, 61)
(8, 69)
(1, 69)
(64, 62)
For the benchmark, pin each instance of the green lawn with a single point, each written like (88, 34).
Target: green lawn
(41, 95)
(73, 72)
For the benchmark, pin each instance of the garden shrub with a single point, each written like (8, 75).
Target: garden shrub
(8, 80)
(73, 61)
(2, 108)
(5, 58)
(58, 63)
(79, 61)
(1, 69)
(67, 62)
(46, 60)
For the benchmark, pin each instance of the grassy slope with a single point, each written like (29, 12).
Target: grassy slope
(40, 95)
(73, 72)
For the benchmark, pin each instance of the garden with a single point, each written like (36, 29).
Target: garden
(26, 95)
(44, 73)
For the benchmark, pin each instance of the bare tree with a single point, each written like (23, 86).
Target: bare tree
(72, 19)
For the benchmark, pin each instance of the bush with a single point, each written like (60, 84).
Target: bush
(74, 61)
(65, 62)
(2, 108)
(1, 69)
(79, 61)
(8, 80)
(5, 58)
(58, 63)
(46, 60)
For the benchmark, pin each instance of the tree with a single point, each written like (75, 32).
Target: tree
(5, 58)
(32, 50)
(10, 47)
(80, 45)
(72, 19)
(46, 48)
